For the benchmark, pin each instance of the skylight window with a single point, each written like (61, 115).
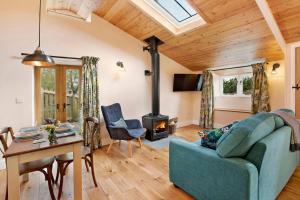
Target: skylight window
(178, 16)
(178, 9)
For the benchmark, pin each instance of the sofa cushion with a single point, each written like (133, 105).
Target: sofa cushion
(120, 123)
(238, 141)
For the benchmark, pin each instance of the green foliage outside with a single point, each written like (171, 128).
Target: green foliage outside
(247, 85)
(48, 79)
(230, 86)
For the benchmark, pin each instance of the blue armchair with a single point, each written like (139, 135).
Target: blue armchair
(132, 130)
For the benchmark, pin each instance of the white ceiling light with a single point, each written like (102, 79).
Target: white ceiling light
(79, 9)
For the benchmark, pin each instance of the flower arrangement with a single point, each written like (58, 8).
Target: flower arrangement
(51, 133)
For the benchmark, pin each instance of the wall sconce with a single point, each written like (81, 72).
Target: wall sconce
(120, 66)
(274, 69)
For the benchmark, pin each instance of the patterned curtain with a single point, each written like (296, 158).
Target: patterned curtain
(260, 94)
(90, 95)
(207, 101)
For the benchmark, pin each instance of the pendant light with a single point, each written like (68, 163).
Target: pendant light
(38, 58)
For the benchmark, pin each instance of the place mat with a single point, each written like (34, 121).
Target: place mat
(65, 134)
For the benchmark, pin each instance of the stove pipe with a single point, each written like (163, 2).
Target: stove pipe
(153, 43)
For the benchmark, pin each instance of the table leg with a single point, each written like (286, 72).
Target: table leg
(77, 171)
(13, 178)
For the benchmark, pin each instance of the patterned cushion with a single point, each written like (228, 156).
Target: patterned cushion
(120, 123)
(210, 137)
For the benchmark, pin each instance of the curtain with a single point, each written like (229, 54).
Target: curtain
(90, 96)
(260, 95)
(207, 101)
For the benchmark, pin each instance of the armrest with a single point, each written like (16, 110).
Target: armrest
(119, 133)
(133, 123)
(205, 175)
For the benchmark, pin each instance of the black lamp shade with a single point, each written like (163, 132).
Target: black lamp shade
(38, 58)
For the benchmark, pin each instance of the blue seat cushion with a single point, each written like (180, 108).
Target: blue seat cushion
(138, 132)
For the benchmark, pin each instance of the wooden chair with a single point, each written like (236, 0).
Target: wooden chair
(91, 127)
(24, 168)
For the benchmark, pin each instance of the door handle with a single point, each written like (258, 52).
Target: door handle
(65, 106)
(297, 87)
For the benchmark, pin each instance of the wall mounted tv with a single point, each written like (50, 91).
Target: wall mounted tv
(187, 82)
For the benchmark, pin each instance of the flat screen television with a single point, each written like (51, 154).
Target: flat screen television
(187, 82)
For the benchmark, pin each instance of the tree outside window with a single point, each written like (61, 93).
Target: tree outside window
(247, 85)
(230, 86)
(237, 85)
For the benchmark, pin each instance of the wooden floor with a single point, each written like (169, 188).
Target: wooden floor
(144, 176)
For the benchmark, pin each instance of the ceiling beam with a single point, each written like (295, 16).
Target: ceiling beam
(269, 17)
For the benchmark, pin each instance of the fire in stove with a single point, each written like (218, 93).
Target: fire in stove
(161, 126)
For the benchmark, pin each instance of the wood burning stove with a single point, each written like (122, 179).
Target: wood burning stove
(155, 123)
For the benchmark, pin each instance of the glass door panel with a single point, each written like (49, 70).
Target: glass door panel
(48, 93)
(71, 105)
(57, 93)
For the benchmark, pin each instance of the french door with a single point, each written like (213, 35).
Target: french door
(57, 93)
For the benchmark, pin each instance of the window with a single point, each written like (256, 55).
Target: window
(236, 85)
(178, 16)
(247, 85)
(178, 9)
(230, 86)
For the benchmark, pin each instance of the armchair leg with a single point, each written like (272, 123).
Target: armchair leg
(140, 142)
(129, 149)
(109, 147)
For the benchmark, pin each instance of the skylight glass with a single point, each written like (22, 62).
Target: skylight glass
(180, 10)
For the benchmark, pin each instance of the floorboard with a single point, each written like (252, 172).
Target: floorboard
(142, 177)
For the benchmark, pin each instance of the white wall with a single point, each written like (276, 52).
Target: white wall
(67, 37)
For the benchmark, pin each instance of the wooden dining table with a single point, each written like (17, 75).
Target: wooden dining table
(25, 151)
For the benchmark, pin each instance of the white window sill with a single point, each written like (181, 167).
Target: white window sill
(232, 110)
(234, 96)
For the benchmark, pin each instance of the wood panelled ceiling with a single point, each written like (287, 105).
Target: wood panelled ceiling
(287, 15)
(236, 33)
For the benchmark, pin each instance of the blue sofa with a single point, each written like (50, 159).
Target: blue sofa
(251, 162)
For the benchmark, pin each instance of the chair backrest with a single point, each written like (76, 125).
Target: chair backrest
(111, 114)
(90, 128)
(4, 132)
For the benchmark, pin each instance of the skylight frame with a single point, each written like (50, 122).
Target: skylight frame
(156, 12)
(190, 15)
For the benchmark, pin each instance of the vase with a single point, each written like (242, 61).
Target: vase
(52, 137)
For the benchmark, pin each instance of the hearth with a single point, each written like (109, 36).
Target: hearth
(155, 123)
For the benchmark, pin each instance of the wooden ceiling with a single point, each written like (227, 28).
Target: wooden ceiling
(236, 33)
(287, 15)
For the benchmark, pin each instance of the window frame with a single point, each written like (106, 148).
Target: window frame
(239, 92)
(190, 15)
(60, 97)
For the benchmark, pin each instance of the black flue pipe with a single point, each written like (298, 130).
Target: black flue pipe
(152, 48)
